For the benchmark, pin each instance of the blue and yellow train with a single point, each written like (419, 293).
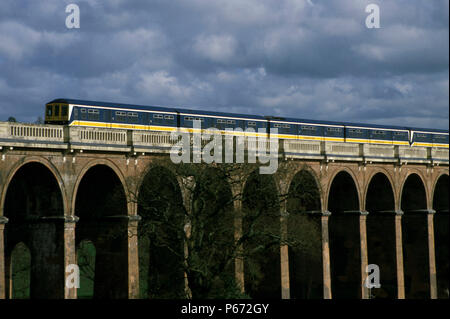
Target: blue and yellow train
(136, 117)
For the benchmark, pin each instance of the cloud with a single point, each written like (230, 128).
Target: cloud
(295, 58)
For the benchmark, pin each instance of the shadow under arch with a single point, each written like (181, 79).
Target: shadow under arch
(101, 205)
(415, 238)
(381, 235)
(305, 237)
(261, 231)
(441, 235)
(161, 236)
(344, 235)
(34, 206)
(100, 163)
(34, 160)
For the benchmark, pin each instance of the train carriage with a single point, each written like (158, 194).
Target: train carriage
(161, 119)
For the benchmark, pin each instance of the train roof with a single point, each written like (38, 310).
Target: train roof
(244, 116)
(221, 114)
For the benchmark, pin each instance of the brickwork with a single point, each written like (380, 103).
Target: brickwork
(68, 169)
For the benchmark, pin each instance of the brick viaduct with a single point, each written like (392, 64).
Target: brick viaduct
(396, 215)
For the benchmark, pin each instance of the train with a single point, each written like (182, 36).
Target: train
(74, 112)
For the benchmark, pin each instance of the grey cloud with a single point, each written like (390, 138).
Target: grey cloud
(309, 59)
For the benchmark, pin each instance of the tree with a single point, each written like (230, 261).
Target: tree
(12, 119)
(193, 251)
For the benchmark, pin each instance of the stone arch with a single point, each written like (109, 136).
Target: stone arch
(34, 203)
(332, 178)
(43, 161)
(110, 164)
(438, 182)
(147, 170)
(344, 235)
(313, 174)
(160, 269)
(213, 213)
(101, 201)
(390, 178)
(261, 212)
(414, 203)
(381, 234)
(441, 234)
(424, 184)
(304, 236)
(353, 179)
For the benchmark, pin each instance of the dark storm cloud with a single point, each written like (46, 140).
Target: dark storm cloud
(298, 58)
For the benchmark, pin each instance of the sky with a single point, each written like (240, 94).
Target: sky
(308, 59)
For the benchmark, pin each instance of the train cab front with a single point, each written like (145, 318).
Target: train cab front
(56, 113)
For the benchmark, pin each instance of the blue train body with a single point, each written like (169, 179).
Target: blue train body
(154, 118)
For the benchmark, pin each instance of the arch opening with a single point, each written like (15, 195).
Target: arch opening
(381, 240)
(441, 236)
(101, 206)
(33, 200)
(86, 253)
(345, 251)
(20, 272)
(305, 237)
(261, 228)
(161, 236)
(212, 225)
(415, 239)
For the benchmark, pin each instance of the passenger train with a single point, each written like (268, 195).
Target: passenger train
(136, 117)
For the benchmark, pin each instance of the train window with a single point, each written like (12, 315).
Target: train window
(308, 128)
(64, 110)
(121, 116)
(168, 117)
(157, 116)
(49, 110)
(231, 122)
(379, 132)
(440, 137)
(286, 126)
(251, 123)
(355, 131)
(132, 117)
(83, 110)
(221, 121)
(400, 133)
(188, 118)
(93, 115)
(333, 129)
(421, 135)
(56, 110)
(199, 119)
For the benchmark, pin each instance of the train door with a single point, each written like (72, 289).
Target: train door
(75, 114)
(107, 118)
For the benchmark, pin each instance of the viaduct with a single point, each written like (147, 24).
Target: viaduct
(377, 204)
